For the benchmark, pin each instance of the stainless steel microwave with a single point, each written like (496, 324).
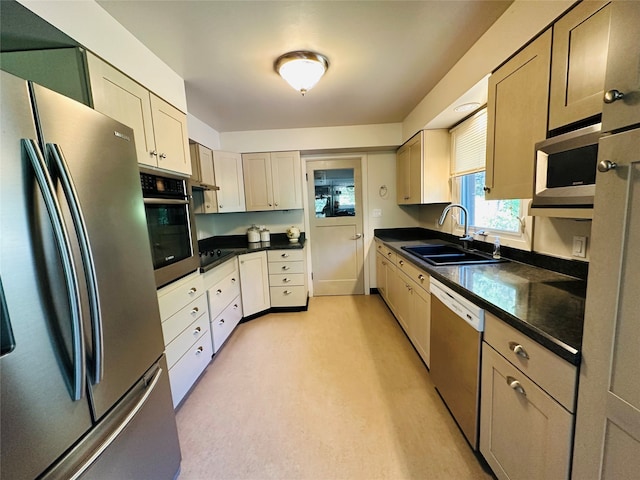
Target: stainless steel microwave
(565, 169)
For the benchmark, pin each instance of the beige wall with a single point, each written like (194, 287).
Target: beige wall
(554, 236)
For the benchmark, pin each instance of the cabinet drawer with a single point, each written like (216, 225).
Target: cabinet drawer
(217, 274)
(223, 324)
(182, 342)
(293, 255)
(222, 293)
(293, 296)
(556, 376)
(283, 279)
(286, 267)
(175, 296)
(524, 433)
(186, 371)
(414, 273)
(174, 325)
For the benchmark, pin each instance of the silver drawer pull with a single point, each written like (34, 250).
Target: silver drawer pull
(518, 350)
(233, 280)
(401, 262)
(235, 305)
(221, 322)
(199, 350)
(287, 292)
(193, 290)
(421, 277)
(286, 280)
(218, 292)
(194, 310)
(284, 267)
(197, 330)
(284, 255)
(516, 385)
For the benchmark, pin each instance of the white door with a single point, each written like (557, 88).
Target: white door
(335, 211)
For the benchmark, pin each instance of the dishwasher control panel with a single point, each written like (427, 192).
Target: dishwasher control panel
(468, 311)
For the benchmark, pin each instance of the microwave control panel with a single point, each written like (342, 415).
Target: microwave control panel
(158, 186)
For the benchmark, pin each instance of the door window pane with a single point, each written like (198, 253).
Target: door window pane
(335, 194)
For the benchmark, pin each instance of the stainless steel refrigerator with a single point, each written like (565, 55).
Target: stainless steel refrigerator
(84, 384)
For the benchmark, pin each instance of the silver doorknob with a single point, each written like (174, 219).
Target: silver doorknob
(357, 236)
(606, 165)
(611, 96)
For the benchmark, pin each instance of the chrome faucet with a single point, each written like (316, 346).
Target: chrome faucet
(466, 238)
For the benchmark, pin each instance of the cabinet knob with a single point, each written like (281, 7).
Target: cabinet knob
(163, 155)
(194, 310)
(218, 292)
(486, 189)
(606, 165)
(199, 350)
(153, 153)
(401, 262)
(197, 330)
(286, 280)
(611, 96)
(518, 350)
(406, 198)
(516, 385)
(284, 267)
(192, 290)
(284, 255)
(276, 204)
(233, 280)
(287, 292)
(221, 322)
(421, 277)
(270, 205)
(220, 206)
(235, 305)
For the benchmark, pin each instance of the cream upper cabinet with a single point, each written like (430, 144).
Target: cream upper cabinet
(517, 119)
(579, 59)
(422, 168)
(205, 199)
(272, 181)
(227, 168)
(160, 129)
(622, 80)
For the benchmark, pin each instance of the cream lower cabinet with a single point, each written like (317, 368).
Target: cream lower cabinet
(160, 129)
(185, 327)
(405, 289)
(225, 303)
(527, 404)
(254, 282)
(287, 278)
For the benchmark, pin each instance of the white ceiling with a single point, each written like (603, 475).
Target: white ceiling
(385, 56)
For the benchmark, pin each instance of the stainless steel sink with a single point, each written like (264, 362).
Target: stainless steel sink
(441, 254)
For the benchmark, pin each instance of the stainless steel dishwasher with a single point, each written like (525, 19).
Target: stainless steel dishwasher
(456, 336)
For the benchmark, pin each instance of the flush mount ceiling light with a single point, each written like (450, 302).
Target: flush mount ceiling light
(301, 69)
(466, 107)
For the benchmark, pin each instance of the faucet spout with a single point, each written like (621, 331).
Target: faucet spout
(466, 238)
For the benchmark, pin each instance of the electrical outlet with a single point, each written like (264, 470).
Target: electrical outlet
(377, 212)
(579, 246)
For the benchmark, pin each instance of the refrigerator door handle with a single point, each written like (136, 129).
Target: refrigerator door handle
(63, 243)
(80, 225)
(118, 430)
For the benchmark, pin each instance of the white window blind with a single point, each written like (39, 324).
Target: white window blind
(468, 145)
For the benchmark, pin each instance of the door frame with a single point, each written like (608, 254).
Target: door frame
(367, 235)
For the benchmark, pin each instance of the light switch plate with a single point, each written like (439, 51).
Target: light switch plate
(377, 212)
(579, 246)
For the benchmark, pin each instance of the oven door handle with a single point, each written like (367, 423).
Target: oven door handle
(165, 201)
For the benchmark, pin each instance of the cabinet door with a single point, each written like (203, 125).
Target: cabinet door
(403, 189)
(381, 275)
(516, 120)
(436, 156)
(287, 180)
(227, 167)
(194, 153)
(524, 433)
(126, 101)
(580, 42)
(207, 174)
(403, 301)
(258, 185)
(254, 282)
(393, 286)
(623, 67)
(170, 132)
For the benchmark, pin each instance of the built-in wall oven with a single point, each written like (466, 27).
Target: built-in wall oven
(170, 224)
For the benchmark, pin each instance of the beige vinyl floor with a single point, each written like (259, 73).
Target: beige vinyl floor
(333, 393)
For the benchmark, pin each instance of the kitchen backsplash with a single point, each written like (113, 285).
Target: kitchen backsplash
(210, 225)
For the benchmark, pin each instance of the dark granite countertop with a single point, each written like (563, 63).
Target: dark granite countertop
(234, 245)
(545, 305)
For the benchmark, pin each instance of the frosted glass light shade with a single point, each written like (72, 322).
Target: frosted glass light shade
(302, 70)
